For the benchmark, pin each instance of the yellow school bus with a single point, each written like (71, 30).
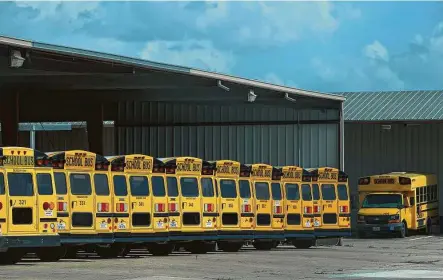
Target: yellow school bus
(300, 210)
(191, 229)
(265, 235)
(84, 207)
(278, 204)
(230, 235)
(27, 206)
(334, 203)
(397, 203)
(140, 203)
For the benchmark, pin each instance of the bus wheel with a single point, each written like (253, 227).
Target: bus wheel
(302, 244)
(403, 231)
(110, 252)
(263, 246)
(71, 253)
(275, 244)
(51, 254)
(12, 256)
(160, 249)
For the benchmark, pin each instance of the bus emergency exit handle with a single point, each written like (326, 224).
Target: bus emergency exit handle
(10, 202)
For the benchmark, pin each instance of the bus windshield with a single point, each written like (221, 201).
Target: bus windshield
(382, 201)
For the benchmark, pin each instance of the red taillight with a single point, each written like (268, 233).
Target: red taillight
(109, 220)
(122, 207)
(62, 206)
(209, 207)
(277, 209)
(307, 210)
(246, 208)
(103, 207)
(45, 226)
(51, 206)
(316, 209)
(343, 209)
(1, 206)
(159, 207)
(46, 206)
(172, 207)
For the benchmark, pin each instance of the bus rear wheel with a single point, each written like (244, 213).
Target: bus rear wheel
(263, 245)
(12, 256)
(403, 231)
(51, 254)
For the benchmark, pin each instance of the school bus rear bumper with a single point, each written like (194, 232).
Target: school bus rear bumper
(230, 235)
(190, 235)
(128, 237)
(300, 234)
(380, 228)
(339, 232)
(71, 239)
(273, 235)
(28, 241)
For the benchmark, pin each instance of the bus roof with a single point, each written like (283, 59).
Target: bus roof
(391, 181)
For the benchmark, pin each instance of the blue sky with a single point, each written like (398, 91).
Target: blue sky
(325, 46)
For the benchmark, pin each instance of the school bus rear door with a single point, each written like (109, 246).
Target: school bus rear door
(209, 203)
(277, 206)
(47, 212)
(159, 202)
(247, 204)
(263, 204)
(3, 203)
(63, 205)
(174, 203)
(140, 203)
(122, 219)
(229, 203)
(103, 199)
(293, 206)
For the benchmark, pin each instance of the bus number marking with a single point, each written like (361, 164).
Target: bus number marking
(82, 203)
(191, 204)
(230, 205)
(22, 202)
(141, 203)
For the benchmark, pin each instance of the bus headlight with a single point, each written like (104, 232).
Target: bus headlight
(361, 218)
(394, 217)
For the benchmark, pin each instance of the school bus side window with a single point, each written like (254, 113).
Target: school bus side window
(139, 185)
(60, 183)
(101, 184)
(189, 187)
(227, 189)
(20, 184)
(315, 192)
(342, 191)
(328, 192)
(80, 184)
(276, 191)
(172, 186)
(2, 184)
(292, 192)
(262, 191)
(158, 186)
(207, 187)
(245, 190)
(44, 184)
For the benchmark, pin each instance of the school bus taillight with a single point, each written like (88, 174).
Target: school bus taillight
(62, 206)
(103, 207)
(308, 210)
(316, 209)
(48, 206)
(159, 207)
(209, 207)
(1, 206)
(344, 209)
(246, 208)
(278, 210)
(172, 207)
(122, 207)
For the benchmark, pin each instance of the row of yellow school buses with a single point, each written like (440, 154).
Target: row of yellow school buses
(57, 203)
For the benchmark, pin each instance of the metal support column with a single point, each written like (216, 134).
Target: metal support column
(341, 148)
(32, 137)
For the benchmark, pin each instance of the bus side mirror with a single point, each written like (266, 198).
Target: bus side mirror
(412, 201)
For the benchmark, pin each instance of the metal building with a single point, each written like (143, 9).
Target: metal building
(162, 110)
(394, 131)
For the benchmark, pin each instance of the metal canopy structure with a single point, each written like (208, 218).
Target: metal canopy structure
(47, 83)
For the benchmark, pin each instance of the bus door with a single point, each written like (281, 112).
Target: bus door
(22, 212)
(329, 205)
(293, 206)
(190, 202)
(277, 206)
(317, 205)
(47, 213)
(122, 219)
(63, 205)
(103, 199)
(229, 203)
(263, 207)
(209, 203)
(343, 204)
(160, 203)
(82, 205)
(247, 204)
(174, 203)
(3, 203)
(307, 206)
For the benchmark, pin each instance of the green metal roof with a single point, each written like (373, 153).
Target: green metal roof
(422, 105)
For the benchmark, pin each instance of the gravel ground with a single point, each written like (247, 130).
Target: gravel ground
(418, 257)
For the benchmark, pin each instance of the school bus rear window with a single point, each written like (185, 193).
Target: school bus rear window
(227, 189)
(342, 191)
(262, 191)
(245, 189)
(276, 191)
(292, 192)
(2, 183)
(44, 184)
(207, 187)
(189, 187)
(101, 184)
(158, 186)
(20, 184)
(172, 186)
(60, 183)
(120, 186)
(80, 184)
(328, 192)
(139, 185)
(306, 192)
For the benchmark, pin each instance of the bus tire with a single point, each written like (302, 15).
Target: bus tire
(12, 256)
(340, 241)
(51, 254)
(302, 244)
(263, 246)
(196, 247)
(404, 230)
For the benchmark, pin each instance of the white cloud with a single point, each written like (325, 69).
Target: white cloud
(58, 9)
(214, 12)
(376, 51)
(191, 53)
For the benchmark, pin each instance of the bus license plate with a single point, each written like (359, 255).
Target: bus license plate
(376, 229)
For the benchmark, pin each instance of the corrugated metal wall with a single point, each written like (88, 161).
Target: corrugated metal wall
(371, 150)
(309, 145)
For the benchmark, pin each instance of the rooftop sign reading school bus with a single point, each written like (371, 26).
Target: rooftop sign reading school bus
(292, 173)
(139, 163)
(16, 157)
(79, 160)
(228, 168)
(328, 174)
(261, 171)
(188, 165)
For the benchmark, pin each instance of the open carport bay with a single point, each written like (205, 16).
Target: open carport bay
(416, 257)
